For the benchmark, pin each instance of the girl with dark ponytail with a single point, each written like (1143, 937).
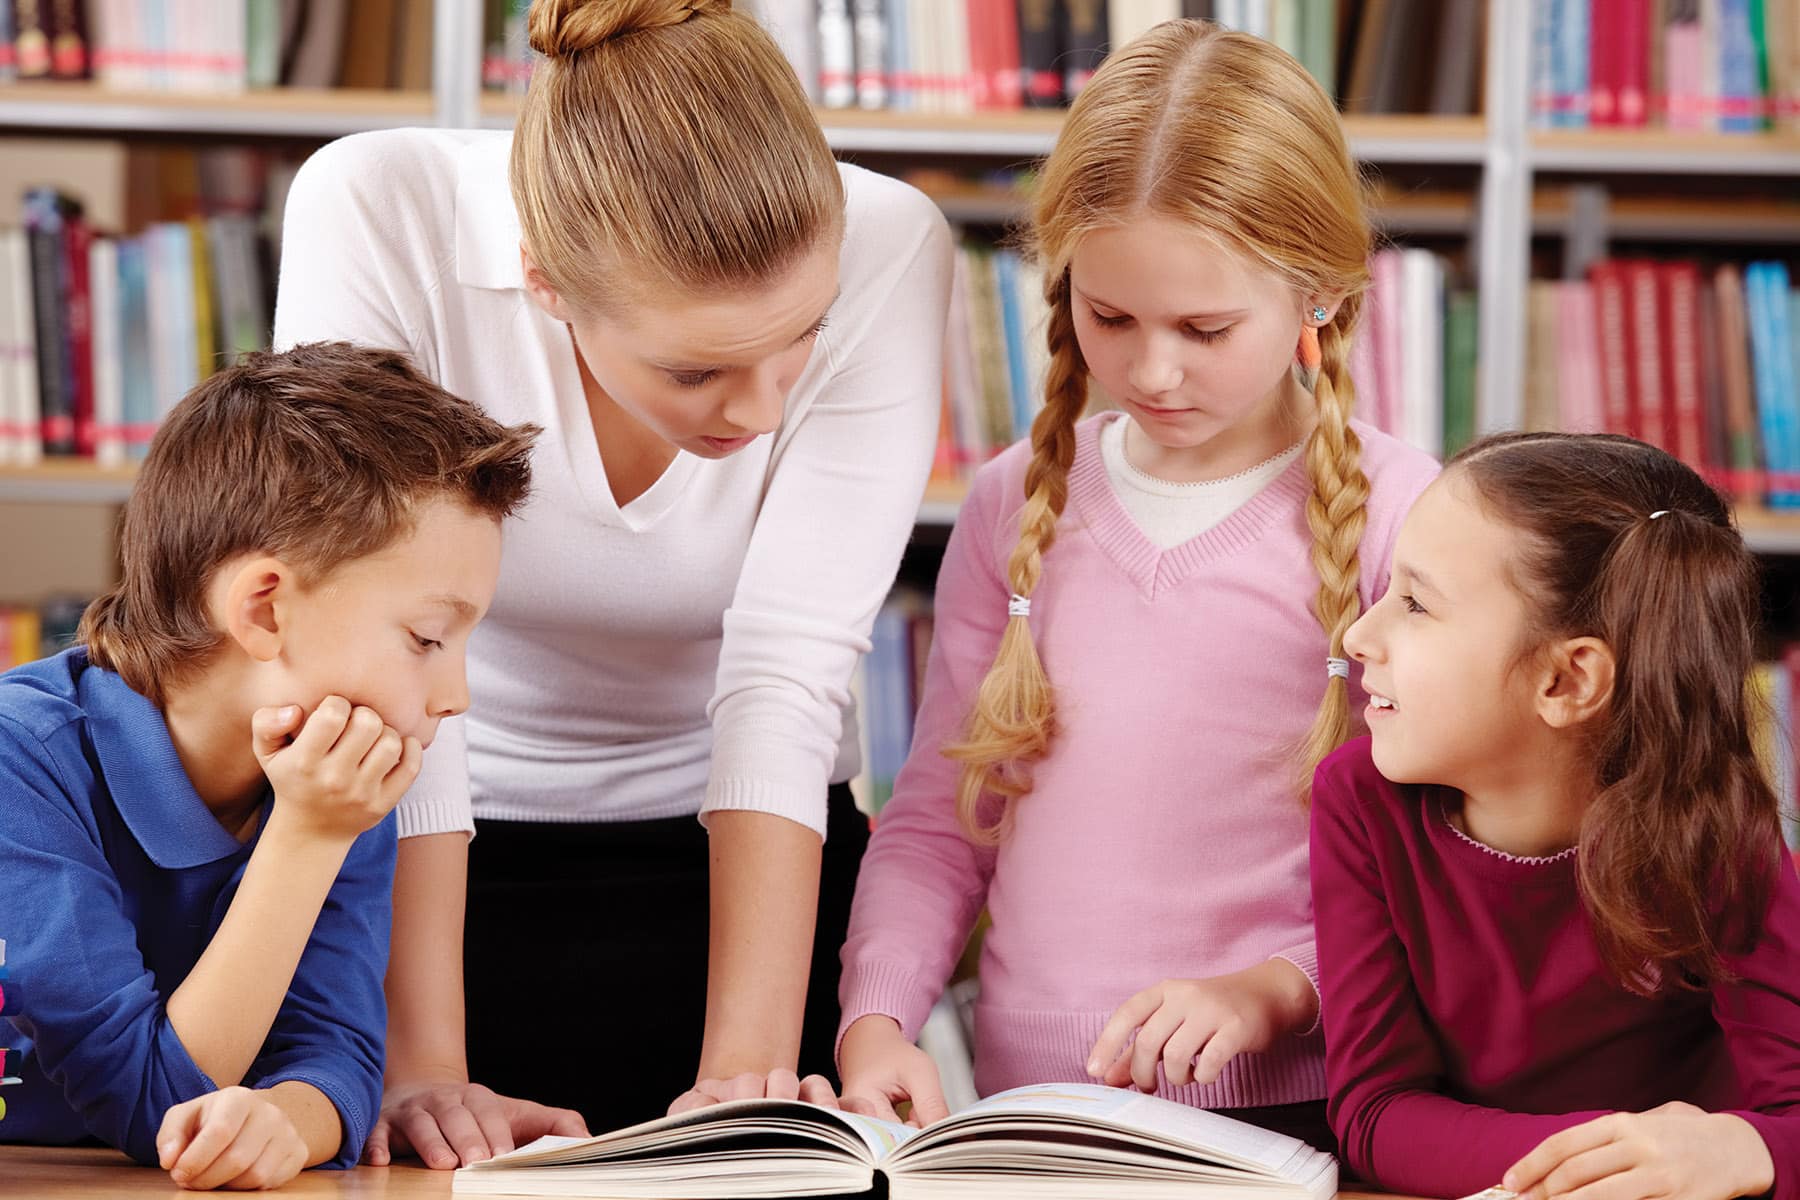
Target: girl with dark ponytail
(1559, 943)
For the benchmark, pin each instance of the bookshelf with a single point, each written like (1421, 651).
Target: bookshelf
(1530, 183)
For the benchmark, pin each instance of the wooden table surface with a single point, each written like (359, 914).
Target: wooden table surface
(41, 1173)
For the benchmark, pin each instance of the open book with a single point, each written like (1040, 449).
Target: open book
(1049, 1141)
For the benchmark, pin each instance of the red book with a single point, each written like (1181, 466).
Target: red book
(1009, 78)
(1608, 278)
(77, 238)
(1631, 60)
(1649, 402)
(984, 66)
(1681, 335)
(1603, 53)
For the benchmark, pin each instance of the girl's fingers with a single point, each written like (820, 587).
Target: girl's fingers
(1590, 1166)
(1555, 1150)
(1151, 1039)
(870, 1104)
(782, 1084)
(1111, 1044)
(816, 1089)
(1178, 1053)
(1219, 1050)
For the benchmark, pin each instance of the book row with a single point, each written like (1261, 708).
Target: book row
(218, 46)
(1382, 56)
(1726, 66)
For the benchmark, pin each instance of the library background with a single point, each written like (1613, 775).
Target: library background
(1588, 208)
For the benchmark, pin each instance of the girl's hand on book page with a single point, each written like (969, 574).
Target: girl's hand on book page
(881, 1068)
(235, 1138)
(1193, 1027)
(340, 773)
(779, 1084)
(1675, 1151)
(453, 1123)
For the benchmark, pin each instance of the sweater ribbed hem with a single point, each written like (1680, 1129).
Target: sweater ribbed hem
(1015, 1047)
(889, 989)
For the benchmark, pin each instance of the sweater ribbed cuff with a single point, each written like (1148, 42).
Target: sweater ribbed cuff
(1306, 957)
(885, 988)
(438, 814)
(798, 805)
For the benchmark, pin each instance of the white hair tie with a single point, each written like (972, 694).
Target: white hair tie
(1337, 668)
(1661, 512)
(1018, 606)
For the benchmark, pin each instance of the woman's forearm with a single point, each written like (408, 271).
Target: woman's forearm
(765, 899)
(425, 964)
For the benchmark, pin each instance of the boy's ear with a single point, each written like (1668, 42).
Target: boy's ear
(254, 606)
(539, 289)
(1578, 682)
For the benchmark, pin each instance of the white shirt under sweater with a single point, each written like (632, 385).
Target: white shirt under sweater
(1172, 513)
(692, 651)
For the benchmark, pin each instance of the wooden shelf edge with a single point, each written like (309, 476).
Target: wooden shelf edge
(257, 111)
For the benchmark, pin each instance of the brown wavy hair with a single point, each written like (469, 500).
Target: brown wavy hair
(1678, 854)
(317, 455)
(1231, 136)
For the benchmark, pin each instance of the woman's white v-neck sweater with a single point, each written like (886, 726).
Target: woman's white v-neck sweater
(691, 651)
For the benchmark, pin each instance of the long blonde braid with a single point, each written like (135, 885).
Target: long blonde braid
(1336, 512)
(1014, 717)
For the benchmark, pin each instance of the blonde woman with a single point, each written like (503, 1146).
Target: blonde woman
(1139, 652)
(733, 345)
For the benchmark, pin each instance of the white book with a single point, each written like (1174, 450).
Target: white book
(1422, 349)
(1256, 17)
(959, 66)
(1032, 1143)
(837, 55)
(108, 352)
(795, 29)
(19, 407)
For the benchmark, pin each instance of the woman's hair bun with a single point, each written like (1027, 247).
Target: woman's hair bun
(562, 28)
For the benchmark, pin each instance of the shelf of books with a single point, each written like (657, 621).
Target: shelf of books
(66, 481)
(261, 112)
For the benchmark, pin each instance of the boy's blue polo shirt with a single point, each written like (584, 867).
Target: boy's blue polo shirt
(114, 876)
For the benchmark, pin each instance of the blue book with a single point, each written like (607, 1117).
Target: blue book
(899, 56)
(1012, 324)
(890, 718)
(138, 370)
(1784, 376)
(1765, 296)
(1738, 95)
(1574, 36)
(172, 319)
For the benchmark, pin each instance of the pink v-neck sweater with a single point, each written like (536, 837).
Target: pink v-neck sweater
(1164, 837)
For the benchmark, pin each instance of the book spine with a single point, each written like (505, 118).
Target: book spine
(108, 353)
(68, 40)
(1084, 42)
(870, 32)
(1681, 347)
(837, 55)
(43, 226)
(31, 38)
(139, 370)
(20, 338)
(77, 245)
(1615, 352)
(1009, 76)
(1038, 52)
(9, 56)
(1650, 419)
(1782, 380)
(1633, 71)
(1740, 403)
(1737, 68)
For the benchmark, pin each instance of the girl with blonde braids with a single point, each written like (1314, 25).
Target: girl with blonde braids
(1140, 620)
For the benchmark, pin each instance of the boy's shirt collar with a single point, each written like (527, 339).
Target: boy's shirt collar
(144, 775)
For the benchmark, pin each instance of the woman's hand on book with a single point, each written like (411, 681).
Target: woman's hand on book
(452, 1123)
(881, 1068)
(1193, 1027)
(779, 1084)
(234, 1138)
(1675, 1151)
(338, 771)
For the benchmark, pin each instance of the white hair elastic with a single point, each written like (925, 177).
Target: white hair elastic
(1337, 668)
(1661, 512)
(1018, 606)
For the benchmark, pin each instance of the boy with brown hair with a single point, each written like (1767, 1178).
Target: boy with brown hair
(195, 831)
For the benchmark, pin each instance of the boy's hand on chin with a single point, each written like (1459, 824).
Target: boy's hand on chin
(341, 773)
